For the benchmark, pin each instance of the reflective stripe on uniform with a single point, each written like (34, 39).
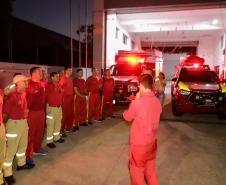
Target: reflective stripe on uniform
(11, 135)
(223, 88)
(56, 133)
(7, 164)
(20, 154)
(49, 138)
(49, 117)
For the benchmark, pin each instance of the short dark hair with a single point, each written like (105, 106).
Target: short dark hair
(52, 74)
(67, 67)
(147, 81)
(78, 70)
(163, 75)
(16, 74)
(62, 70)
(34, 69)
(148, 69)
(93, 68)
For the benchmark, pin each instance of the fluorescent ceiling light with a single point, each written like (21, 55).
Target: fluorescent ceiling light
(215, 21)
(205, 27)
(145, 21)
(153, 28)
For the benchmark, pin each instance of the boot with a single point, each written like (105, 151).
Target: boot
(10, 180)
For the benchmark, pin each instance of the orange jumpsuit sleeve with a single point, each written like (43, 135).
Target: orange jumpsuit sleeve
(129, 114)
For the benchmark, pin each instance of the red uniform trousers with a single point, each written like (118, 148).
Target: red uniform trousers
(142, 164)
(68, 112)
(80, 110)
(36, 124)
(94, 106)
(107, 100)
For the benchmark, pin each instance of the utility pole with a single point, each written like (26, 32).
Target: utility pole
(10, 40)
(79, 34)
(86, 35)
(70, 34)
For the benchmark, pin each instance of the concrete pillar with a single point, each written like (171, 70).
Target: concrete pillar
(224, 64)
(99, 34)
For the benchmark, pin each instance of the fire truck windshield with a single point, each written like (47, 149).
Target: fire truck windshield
(198, 76)
(127, 70)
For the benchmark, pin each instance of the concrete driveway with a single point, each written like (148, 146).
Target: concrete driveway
(188, 154)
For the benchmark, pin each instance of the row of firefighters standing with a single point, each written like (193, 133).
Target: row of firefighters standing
(27, 104)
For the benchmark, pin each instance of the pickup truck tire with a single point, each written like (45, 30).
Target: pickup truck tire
(175, 110)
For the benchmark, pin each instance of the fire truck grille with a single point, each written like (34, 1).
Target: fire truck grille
(204, 98)
(118, 84)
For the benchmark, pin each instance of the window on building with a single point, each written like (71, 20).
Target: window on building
(117, 33)
(125, 39)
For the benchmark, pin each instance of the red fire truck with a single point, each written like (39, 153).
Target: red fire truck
(128, 67)
(197, 88)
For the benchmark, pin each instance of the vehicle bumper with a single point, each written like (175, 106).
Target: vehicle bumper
(182, 103)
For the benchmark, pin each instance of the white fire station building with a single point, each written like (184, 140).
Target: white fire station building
(177, 28)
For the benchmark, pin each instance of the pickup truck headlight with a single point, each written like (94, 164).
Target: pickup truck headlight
(183, 92)
(132, 88)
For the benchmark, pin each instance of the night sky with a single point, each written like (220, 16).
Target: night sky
(52, 14)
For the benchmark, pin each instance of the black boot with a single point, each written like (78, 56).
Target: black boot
(76, 127)
(61, 140)
(84, 124)
(3, 183)
(10, 180)
(51, 145)
(27, 166)
(64, 135)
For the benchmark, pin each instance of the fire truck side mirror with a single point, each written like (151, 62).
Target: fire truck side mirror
(174, 79)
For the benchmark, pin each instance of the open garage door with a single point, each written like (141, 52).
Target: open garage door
(197, 30)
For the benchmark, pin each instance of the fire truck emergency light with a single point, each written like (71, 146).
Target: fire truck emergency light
(134, 60)
(196, 65)
(194, 61)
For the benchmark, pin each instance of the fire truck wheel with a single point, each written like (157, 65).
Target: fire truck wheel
(175, 110)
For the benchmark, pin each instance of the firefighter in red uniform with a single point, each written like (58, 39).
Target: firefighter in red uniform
(66, 83)
(107, 94)
(15, 117)
(93, 85)
(144, 112)
(61, 73)
(54, 95)
(2, 139)
(80, 100)
(36, 114)
(44, 78)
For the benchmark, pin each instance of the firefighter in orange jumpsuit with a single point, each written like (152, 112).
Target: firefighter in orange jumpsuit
(93, 85)
(144, 112)
(35, 93)
(80, 100)
(107, 94)
(66, 83)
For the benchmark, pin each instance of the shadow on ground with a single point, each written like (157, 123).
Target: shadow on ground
(190, 117)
